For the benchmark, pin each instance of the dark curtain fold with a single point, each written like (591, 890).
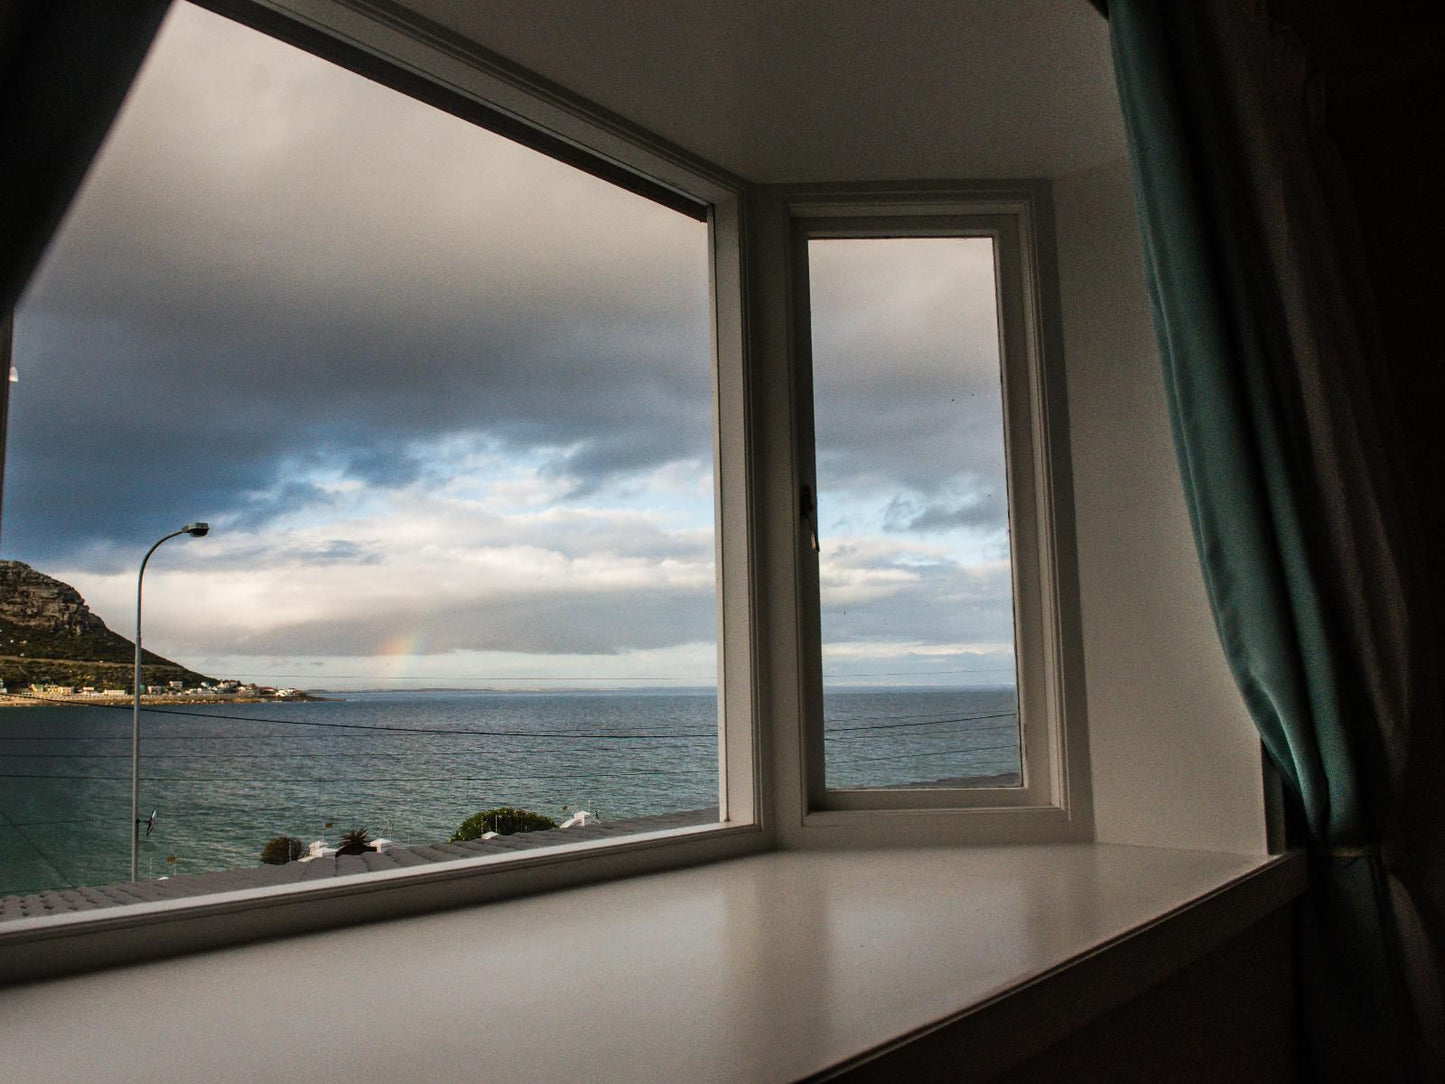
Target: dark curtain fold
(1305, 518)
(5, 338)
(65, 67)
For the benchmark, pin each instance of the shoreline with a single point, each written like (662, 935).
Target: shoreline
(8, 700)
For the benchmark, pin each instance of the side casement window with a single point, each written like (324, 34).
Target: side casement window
(931, 491)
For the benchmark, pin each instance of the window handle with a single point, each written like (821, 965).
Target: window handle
(809, 508)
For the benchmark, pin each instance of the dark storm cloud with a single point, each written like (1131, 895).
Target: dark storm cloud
(983, 509)
(388, 463)
(286, 293)
(604, 457)
(905, 365)
(277, 270)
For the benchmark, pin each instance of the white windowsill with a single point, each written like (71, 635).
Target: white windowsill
(771, 967)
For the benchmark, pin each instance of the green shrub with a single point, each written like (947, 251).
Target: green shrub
(281, 850)
(504, 820)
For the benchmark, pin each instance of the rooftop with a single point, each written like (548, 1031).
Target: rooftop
(91, 898)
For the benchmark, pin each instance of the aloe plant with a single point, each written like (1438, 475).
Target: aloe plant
(356, 841)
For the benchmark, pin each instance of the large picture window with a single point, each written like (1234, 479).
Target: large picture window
(464, 420)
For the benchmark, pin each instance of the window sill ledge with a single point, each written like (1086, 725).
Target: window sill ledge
(770, 967)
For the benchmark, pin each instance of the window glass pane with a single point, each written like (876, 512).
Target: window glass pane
(446, 405)
(914, 563)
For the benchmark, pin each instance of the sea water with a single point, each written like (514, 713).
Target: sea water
(223, 779)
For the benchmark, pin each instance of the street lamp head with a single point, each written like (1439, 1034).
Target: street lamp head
(196, 530)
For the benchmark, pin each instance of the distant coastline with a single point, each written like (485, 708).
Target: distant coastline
(446, 690)
(15, 700)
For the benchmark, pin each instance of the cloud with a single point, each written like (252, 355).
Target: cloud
(588, 623)
(911, 592)
(432, 387)
(983, 509)
(278, 269)
(336, 551)
(905, 363)
(439, 575)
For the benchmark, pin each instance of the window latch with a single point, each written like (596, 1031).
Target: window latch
(809, 508)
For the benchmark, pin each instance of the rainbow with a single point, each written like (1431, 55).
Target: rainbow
(402, 650)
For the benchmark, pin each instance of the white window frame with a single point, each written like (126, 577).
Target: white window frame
(378, 43)
(1053, 801)
(769, 689)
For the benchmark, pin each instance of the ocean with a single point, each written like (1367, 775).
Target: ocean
(410, 766)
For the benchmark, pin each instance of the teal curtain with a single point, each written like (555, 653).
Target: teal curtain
(1301, 522)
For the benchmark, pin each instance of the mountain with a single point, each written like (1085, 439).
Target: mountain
(49, 635)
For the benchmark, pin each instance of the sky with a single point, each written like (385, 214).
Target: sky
(446, 404)
(914, 567)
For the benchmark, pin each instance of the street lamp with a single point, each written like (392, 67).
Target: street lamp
(195, 530)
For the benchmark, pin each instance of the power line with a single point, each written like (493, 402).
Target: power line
(833, 713)
(278, 755)
(154, 710)
(926, 722)
(635, 733)
(563, 734)
(928, 673)
(584, 772)
(37, 849)
(601, 736)
(580, 772)
(252, 739)
(846, 762)
(173, 815)
(222, 808)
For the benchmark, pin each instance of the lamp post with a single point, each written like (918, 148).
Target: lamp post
(195, 530)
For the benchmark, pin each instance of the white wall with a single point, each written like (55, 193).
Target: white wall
(1176, 760)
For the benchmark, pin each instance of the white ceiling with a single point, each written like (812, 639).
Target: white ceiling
(803, 90)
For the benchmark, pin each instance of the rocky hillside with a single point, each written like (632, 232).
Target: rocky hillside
(48, 634)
